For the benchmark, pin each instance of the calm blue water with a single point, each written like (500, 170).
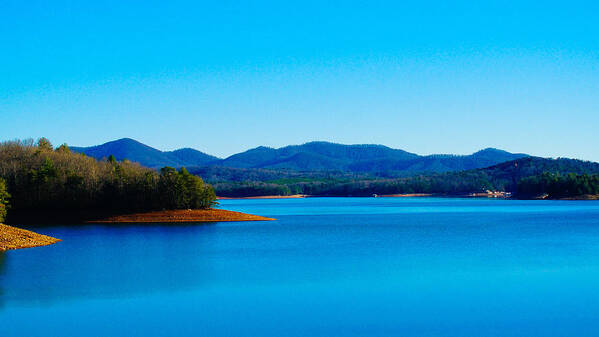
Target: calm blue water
(326, 267)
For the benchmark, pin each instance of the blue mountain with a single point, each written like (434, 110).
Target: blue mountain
(317, 156)
(312, 156)
(133, 150)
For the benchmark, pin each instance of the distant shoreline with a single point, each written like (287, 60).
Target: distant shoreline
(498, 195)
(590, 197)
(406, 195)
(297, 196)
(16, 238)
(293, 196)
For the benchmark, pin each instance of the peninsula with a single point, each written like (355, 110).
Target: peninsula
(14, 238)
(189, 215)
(42, 184)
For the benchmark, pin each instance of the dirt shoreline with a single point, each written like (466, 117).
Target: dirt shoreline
(408, 195)
(294, 196)
(412, 195)
(16, 238)
(593, 197)
(171, 216)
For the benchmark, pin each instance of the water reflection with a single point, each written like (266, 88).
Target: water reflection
(340, 270)
(107, 262)
(2, 257)
(2, 262)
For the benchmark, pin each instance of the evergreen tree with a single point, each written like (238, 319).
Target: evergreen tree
(43, 144)
(64, 148)
(4, 196)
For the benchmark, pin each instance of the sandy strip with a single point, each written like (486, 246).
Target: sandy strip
(584, 197)
(325, 196)
(269, 197)
(14, 238)
(196, 215)
(409, 195)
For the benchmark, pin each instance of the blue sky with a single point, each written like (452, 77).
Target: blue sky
(222, 77)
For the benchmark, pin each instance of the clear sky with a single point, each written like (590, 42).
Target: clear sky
(222, 77)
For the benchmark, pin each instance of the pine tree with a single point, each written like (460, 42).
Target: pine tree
(4, 196)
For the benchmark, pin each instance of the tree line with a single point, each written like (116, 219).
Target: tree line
(451, 184)
(39, 177)
(555, 185)
(524, 177)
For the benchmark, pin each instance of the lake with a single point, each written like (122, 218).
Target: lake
(326, 267)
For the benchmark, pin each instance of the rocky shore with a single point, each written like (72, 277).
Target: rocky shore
(14, 238)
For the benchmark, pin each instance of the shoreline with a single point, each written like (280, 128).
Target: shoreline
(293, 196)
(298, 196)
(406, 195)
(17, 238)
(498, 195)
(179, 216)
(85, 216)
(585, 197)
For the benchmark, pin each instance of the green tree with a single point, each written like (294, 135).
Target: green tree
(4, 196)
(197, 193)
(171, 189)
(47, 171)
(43, 144)
(208, 199)
(64, 148)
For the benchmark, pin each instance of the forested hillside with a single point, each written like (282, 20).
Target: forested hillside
(147, 156)
(552, 185)
(39, 177)
(364, 159)
(503, 177)
(312, 156)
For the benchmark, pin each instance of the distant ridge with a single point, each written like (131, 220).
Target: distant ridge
(317, 156)
(127, 148)
(312, 156)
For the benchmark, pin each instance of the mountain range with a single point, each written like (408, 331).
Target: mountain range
(133, 150)
(312, 156)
